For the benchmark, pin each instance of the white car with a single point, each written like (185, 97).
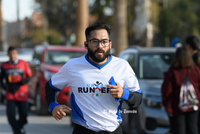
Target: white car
(149, 65)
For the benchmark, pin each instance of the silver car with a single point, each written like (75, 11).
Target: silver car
(149, 65)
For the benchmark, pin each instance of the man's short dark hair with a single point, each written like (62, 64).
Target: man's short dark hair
(193, 41)
(11, 48)
(96, 26)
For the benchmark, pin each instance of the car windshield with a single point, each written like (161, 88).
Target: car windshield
(60, 57)
(153, 66)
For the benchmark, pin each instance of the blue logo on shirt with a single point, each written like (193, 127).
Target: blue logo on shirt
(97, 89)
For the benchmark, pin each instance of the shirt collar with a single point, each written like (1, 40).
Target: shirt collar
(15, 62)
(97, 65)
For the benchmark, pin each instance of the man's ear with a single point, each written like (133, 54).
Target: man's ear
(85, 44)
(110, 44)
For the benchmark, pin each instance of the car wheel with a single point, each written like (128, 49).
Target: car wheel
(41, 107)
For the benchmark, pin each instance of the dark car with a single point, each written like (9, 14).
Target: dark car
(47, 60)
(149, 65)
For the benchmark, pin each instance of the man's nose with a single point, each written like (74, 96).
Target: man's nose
(100, 44)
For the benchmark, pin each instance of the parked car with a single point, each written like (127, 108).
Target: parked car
(149, 65)
(25, 54)
(47, 60)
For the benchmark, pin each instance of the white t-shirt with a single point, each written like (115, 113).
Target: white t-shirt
(92, 105)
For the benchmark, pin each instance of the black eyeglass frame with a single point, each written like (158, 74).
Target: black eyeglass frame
(99, 42)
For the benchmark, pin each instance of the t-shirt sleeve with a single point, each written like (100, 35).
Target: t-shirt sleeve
(28, 70)
(131, 81)
(132, 93)
(61, 79)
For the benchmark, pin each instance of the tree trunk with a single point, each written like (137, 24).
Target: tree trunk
(120, 40)
(142, 26)
(82, 22)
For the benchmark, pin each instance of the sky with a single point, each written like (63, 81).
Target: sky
(9, 9)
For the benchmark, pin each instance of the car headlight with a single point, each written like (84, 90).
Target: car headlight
(48, 75)
(153, 101)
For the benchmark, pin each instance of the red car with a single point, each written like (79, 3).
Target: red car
(47, 60)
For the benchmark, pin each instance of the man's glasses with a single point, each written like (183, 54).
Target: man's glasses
(95, 42)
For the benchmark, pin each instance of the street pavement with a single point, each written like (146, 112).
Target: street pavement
(37, 124)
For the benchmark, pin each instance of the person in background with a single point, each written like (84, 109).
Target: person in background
(15, 74)
(95, 104)
(181, 122)
(193, 44)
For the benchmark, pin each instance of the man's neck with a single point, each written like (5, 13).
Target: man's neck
(14, 62)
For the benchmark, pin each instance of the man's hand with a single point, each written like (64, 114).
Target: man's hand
(116, 91)
(58, 112)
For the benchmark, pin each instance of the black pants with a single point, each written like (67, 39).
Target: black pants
(15, 123)
(185, 123)
(82, 130)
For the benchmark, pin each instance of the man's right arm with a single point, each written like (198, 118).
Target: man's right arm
(54, 107)
(2, 75)
(50, 96)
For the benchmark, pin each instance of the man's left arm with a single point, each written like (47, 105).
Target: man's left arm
(25, 80)
(28, 75)
(130, 91)
(133, 98)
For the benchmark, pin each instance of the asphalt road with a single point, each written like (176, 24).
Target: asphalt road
(37, 124)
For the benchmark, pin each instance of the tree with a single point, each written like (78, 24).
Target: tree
(103, 9)
(60, 15)
(143, 24)
(120, 40)
(82, 21)
(180, 19)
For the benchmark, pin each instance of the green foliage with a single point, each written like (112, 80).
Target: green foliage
(155, 10)
(54, 38)
(38, 36)
(180, 19)
(130, 16)
(98, 8)
(60, 14)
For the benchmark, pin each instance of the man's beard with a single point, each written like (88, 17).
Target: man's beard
(98, 59)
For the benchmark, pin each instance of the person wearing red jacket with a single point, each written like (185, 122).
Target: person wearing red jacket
(15, 74)
(192, 42)
(183, 65)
